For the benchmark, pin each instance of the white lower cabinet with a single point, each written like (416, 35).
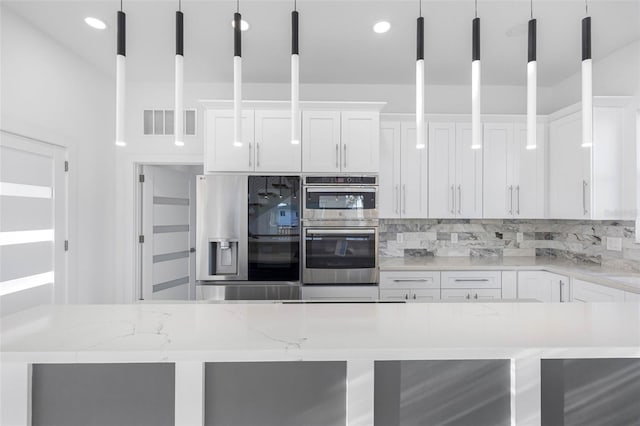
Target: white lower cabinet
(339, 292)
(543, 286)
(471, 285)
(416, 286)
(584, 291)
(631, 297)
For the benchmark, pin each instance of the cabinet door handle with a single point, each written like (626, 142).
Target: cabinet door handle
(476, 296)
(453, 200)
(406, 296)
(459, 199)
(561, 291)
(257, 154)
(344, 149)
(584, 196)
(396, 195)
(468, 296)
(510, 199)
(404, 198)
(249, 154)
(471, 280)
(337, 157)
(410, 281)
(518, 199)
(414, 296)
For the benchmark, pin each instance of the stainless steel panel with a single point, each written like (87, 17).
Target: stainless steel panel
(221, 217)
(249, 291)
(341, 214)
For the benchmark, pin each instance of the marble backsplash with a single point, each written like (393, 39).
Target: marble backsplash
(580, 241)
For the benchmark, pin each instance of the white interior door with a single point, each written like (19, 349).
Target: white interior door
(168, 218)
(33, 223)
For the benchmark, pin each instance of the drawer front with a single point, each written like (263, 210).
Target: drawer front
(410, 279)
(471, 294)
(472, 279)
(393, 294)
(425, 295)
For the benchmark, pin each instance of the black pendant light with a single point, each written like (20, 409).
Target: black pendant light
(476, 126)
(532, 77)
(587, 81)
(420, 82)
(120, 76)
(178, 115)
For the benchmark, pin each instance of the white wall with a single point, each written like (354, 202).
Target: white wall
(50, 94)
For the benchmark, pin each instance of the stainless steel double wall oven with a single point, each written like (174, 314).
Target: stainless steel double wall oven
(340, 230)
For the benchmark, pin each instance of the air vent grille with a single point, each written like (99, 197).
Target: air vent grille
(160, 122)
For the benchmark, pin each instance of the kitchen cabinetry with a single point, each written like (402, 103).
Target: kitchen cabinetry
(339, 292)
(471, 285)
(513, 182)
(334, 142)
(543, 286)
(403, 176)
(455, 172)
(266, 142)
(597, 182)
(410, 285)
(583, 291)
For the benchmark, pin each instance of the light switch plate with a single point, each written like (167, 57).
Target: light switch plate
(614, 243)
(519, 237)
(400, 237)
(454, 237)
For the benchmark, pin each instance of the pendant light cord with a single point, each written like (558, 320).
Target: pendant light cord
(420, 8)
(586, 8)
(120, 5)
(237, 6)
(531, 9)
(476, 3)
(295, 6)
(180, 5)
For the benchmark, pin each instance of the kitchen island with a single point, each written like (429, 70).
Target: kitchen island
(191, 336)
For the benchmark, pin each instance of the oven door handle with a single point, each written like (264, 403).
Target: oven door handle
(341, 231)
(342, 189)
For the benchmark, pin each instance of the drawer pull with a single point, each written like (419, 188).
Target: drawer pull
(461, 280)
(410, 281)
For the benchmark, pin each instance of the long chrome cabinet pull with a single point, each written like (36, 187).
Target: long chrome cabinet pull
(396, 197)
(404, 198)
(510, 188)
(344, 149)
(471, 280)
(453, 199)
(249, 154)
(584, 196)
(561, 291)
(518, 199)
(257, 154)
(459, 199)
(410, 281)
(337, 157)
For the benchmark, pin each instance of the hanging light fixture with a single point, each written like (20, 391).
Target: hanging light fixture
(532, 76)
(120, 76)
(237, 77)
(420, 82)
(178, 114)
(295, 78)
(476, 127)
(587, 81)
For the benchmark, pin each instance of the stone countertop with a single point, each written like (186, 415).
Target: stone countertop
(627, 281)
(318, 332)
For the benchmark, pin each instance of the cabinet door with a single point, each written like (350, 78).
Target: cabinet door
(274, 150)
(542, 286)
(321, 141)
(424, 295)
(529, 176)
(486, 294)
(468, 175)
(414, 191)
(583, 291)
(498, 186)
(389, 176)
(360, 141)
(569, 165)
(394, 294)
(456, 294)
(442, 142)
(221, 155)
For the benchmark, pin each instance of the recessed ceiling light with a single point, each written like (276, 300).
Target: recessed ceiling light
(381, 27)
(244, 25)
(95, 23)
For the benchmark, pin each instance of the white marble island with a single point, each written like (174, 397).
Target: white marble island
(190, 335)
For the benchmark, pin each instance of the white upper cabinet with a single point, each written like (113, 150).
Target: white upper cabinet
(335, 142)
(598, 182)
(513, 175)
(274, 151)
(360, 141)
(403, 186)
(321, 141)
(455, 172)
(221, 154)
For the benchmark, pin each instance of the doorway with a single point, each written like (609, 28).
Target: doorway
(166, 201)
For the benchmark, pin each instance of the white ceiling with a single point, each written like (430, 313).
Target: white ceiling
(336, 38)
